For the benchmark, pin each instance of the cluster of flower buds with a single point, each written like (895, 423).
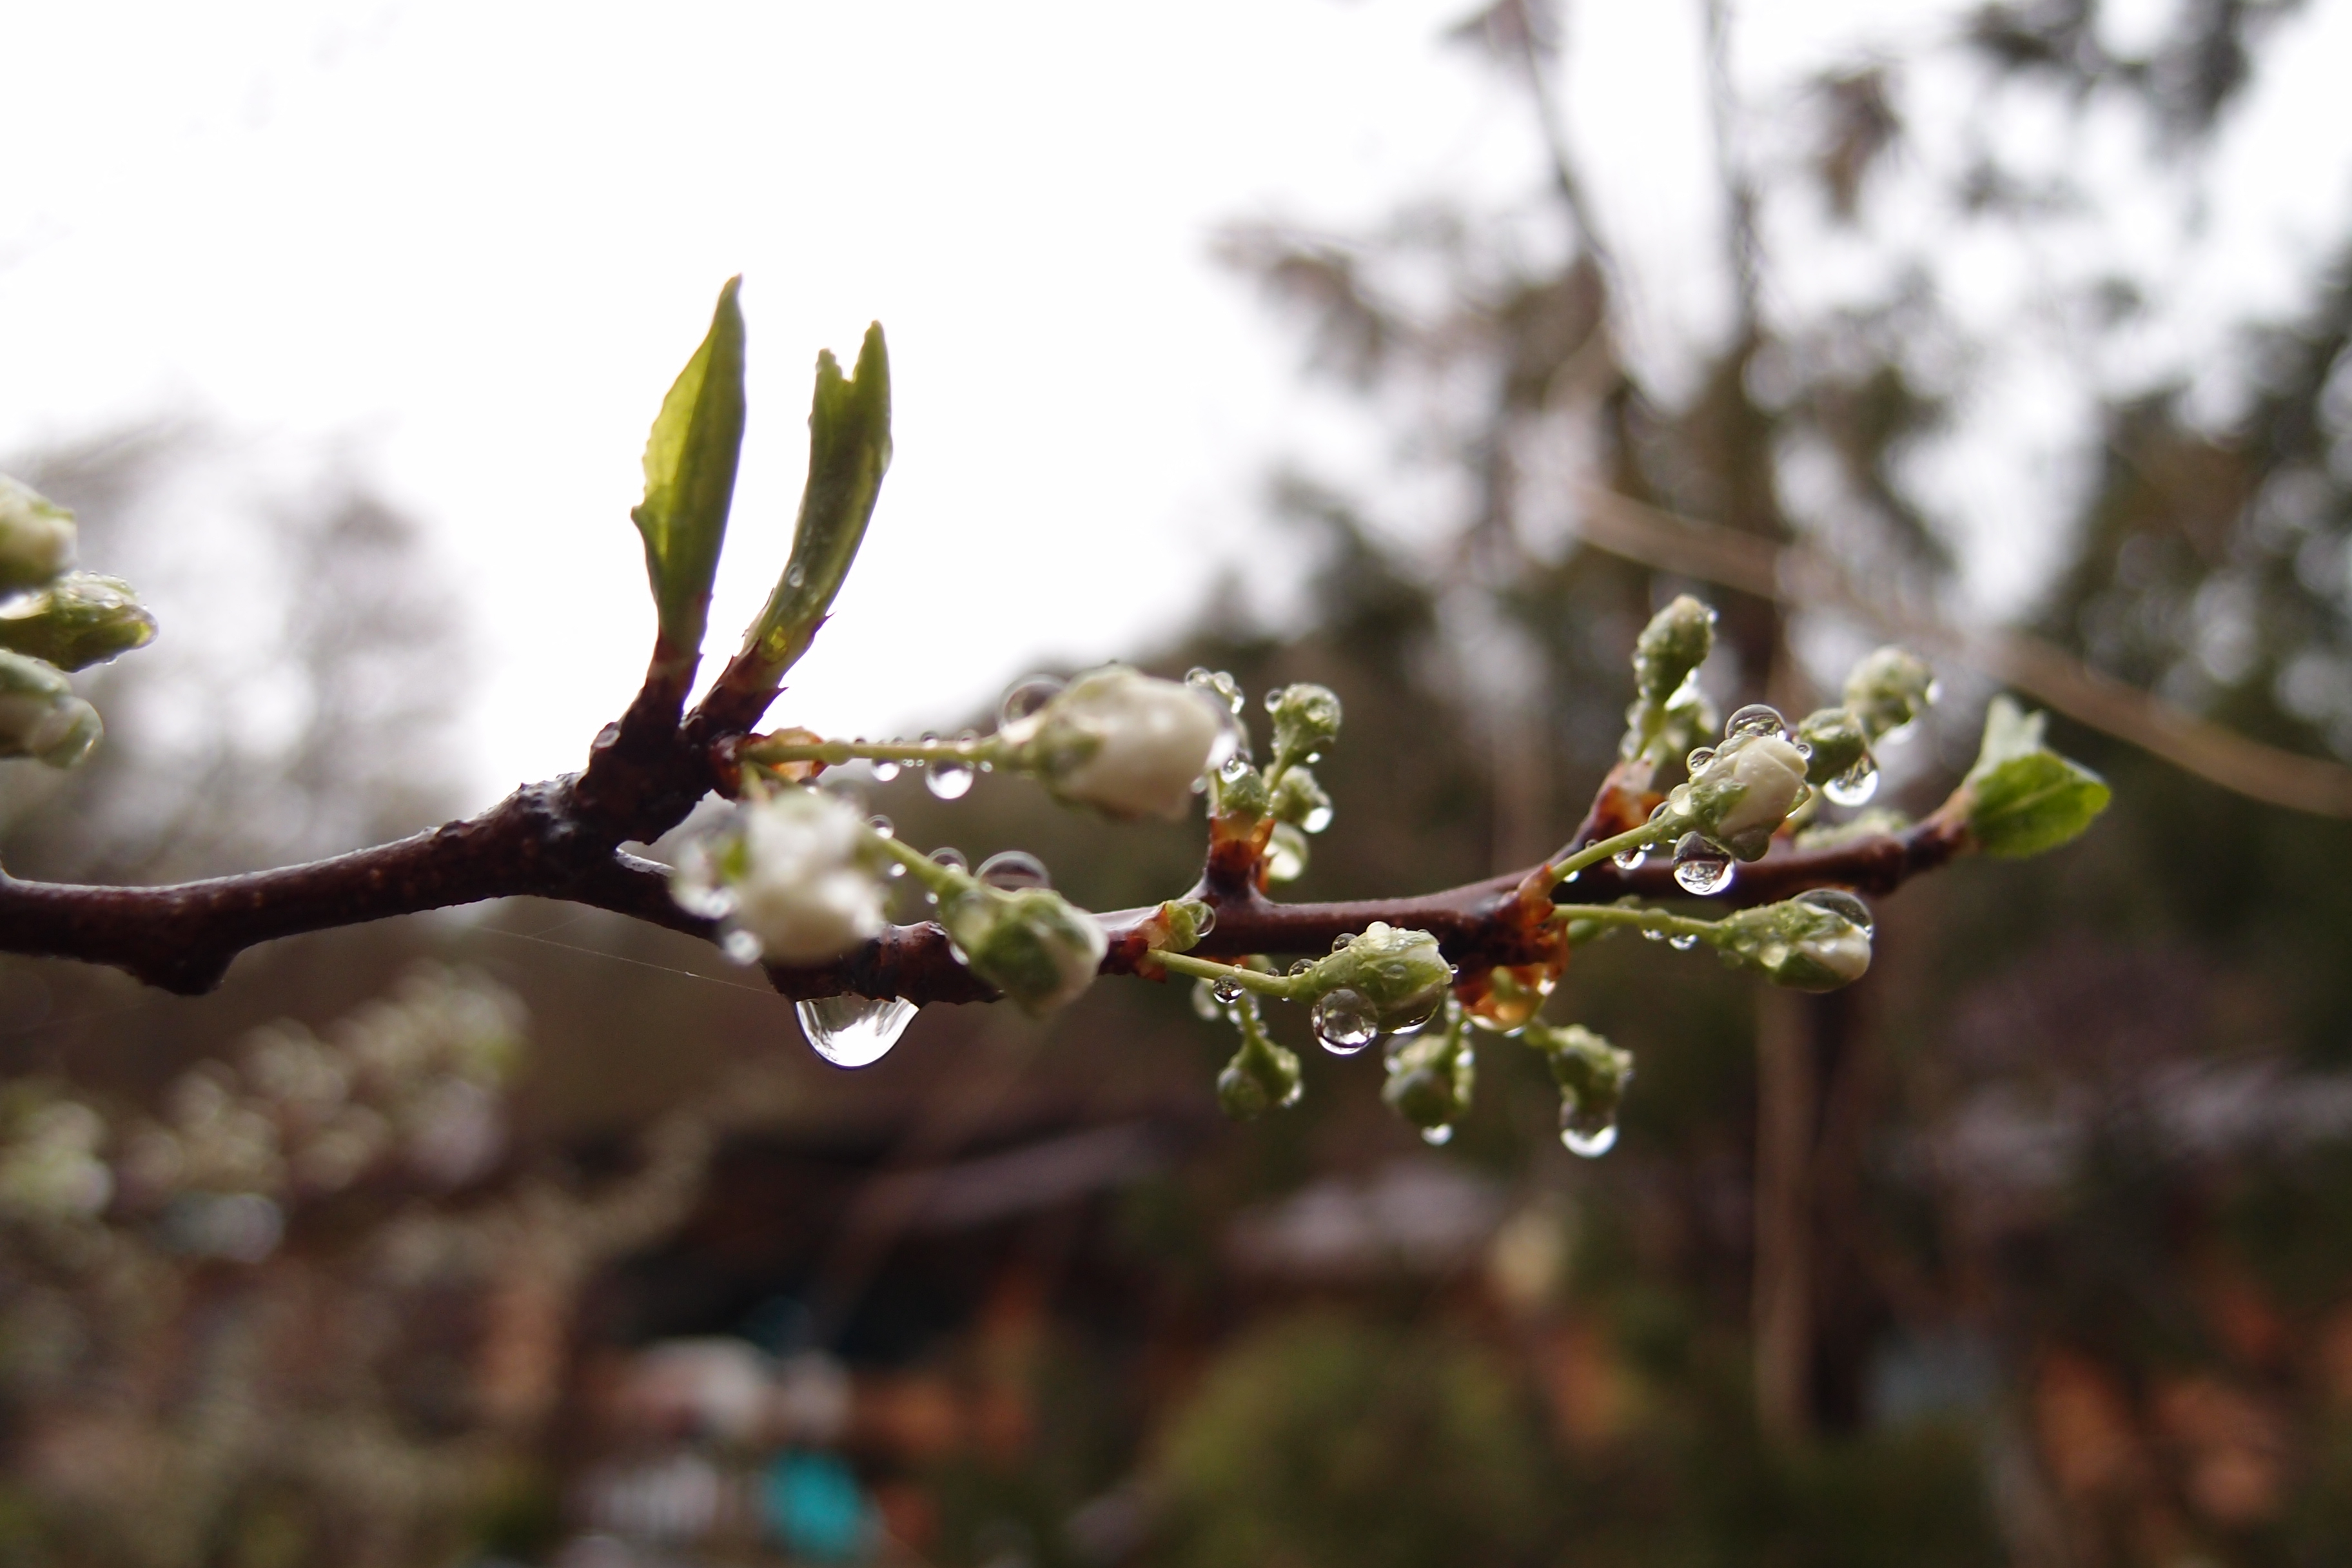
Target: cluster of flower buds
(52, 620)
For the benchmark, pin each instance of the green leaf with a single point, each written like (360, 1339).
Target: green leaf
(2024, 797)
(849, 451)
(690, 457)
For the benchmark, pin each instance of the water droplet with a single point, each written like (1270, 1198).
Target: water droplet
(1026, 699)
(1014, 869)
(949, 855)
(1204, 919)
(1842, 904)
(1302, 966)
(1700, 757)
(1227, 991)
(894, 871)
(882, 827)
(1702, 866)
(1205, 1003)
(949, 779)
(1316, 819)
(1344, 1021)
(1591, 1133)
(742, 946)
(1774, 955)
(1803, 748)
(885, 770)
(1855, 786)
(1284, 863)
(1196, 675)
(1630, 860)
(1572, 877)
(1342, 939)
(1234, 767)
(1652, 933)
(1683, 941)
(795, 575)
(855, 1031)
(1756, 719)
(1437, 1137)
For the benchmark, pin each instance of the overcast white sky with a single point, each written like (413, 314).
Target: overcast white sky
(470, 245)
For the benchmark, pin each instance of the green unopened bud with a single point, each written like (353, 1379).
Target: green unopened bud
(1742, 794)
(1182, 923)
(1125, 743)
(1305, 720)
(1592, 1075)
(1031, 943)
(1399, 974)
(37, 537)
(1888, 689)
(1299, 801)
(79, 620)
(1818, 941)
(1262, 1075)
(40, 717)
(1673, 645)
(1242, 792)
(1431, 1078)
(1838, 742)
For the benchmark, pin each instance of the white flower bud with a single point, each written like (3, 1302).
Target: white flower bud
(36, 536)
(1742, 796)
(1121, 742)
(795, 870)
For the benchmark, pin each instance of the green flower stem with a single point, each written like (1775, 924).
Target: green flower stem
(1604, 916)
(1658, 830)
(833, 753)
(1281, 987)
(937, 876)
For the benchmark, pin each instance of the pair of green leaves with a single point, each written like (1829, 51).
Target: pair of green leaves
(690, 462)
(2023, 798)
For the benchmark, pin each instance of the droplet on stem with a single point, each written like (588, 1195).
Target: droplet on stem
(885, 770)
(1026, 699)
(1014, 869)
(853, 1031)
(1756, 719)
(1588, 1133)
(1842, 904)
(949, 778)
(1855, 786)
(1344, 1020)
(1701, 865)
(1227, 990)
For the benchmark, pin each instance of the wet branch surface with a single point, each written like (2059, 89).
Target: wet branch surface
(562, 839)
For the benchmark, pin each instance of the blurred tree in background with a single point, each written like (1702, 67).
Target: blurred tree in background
(2029, 1249)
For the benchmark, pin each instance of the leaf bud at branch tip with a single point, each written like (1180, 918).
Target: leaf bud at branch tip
(2022, 797)
(1127, 744)
(37, 537)
(40, 717)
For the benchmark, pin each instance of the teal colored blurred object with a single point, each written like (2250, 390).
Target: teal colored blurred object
(815, 1508)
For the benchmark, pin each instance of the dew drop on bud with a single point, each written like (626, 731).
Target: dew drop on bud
(1855, 786)
(853, 1031)
(1437, 1137)
(1233, 767)
(1026, 699)
(948, 780)
(1841, 903)
(881, 826)
(1342, 939)
(1702, 866)
(1756, 719)
(1591, 1133)
(949, 855)
(1700, 757)
(742, 946)
(1302, 966)
(1344, 1021)
(1683, 941)
(1227, 991)
(1204, 919)
(885, 770)
(1013, 870)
